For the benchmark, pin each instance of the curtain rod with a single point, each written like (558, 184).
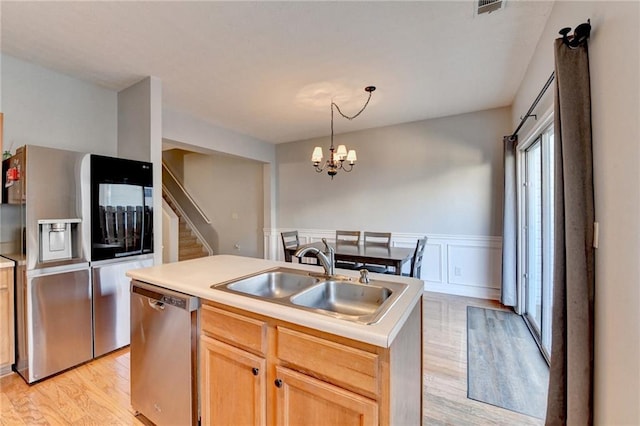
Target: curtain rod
(533, 105)
(580, 36)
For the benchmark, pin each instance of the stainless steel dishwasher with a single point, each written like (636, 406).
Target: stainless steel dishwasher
(164, 354)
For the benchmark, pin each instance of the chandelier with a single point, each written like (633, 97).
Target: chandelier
(340, 158)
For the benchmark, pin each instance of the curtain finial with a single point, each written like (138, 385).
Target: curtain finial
(580, 35)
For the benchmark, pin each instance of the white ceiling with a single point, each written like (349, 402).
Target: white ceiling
(269, 69)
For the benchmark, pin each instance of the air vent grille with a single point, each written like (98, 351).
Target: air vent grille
(488, 6)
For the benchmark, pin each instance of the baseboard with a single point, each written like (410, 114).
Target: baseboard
(5, 370)
(461, 290)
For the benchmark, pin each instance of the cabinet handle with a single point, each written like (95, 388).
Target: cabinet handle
(278, 383)
(255, 371)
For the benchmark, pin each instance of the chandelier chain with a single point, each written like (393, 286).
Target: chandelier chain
(340, 159)
(346, 116)
(357, 114)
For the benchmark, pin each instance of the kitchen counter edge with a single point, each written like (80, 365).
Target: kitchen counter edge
(195, 277)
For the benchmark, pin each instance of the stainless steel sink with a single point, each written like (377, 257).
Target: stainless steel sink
(343, 297)
(336, 297)
(274, 284)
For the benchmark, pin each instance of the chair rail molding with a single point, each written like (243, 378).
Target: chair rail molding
(463, 265)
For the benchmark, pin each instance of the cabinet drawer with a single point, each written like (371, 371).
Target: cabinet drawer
(333, 362)
(241, 331)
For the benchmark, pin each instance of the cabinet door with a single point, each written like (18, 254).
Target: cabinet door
(303, 400)
(233, 385)
(6, 319)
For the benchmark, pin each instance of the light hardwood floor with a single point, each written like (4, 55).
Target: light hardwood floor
(97, 393)
(445, 367)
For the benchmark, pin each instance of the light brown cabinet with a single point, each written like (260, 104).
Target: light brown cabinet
(303, 400)
(7, 340)
(266, 371)
(236, 390)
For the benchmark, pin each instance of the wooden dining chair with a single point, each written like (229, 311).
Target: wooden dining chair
(351, 238)
(381, 239)
(289, 240)
(416, 262)
(348, 237)
(377, 239)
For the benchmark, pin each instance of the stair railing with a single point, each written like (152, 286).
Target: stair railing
(187, 207)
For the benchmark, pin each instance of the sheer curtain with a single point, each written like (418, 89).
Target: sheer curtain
(570, 397)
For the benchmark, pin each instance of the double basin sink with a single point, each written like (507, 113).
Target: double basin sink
(335, 296)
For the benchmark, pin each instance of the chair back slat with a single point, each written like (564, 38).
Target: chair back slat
(289, 240)
(348, 237)
(416, 263)
(381, 239)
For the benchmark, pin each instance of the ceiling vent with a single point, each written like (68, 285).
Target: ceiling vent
(488, 6)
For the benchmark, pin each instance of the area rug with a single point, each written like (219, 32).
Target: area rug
(504, 364)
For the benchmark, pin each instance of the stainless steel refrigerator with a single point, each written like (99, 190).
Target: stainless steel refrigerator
(112, 301)
(53, 285)
(117, 196)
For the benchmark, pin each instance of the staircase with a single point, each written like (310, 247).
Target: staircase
(188, 245)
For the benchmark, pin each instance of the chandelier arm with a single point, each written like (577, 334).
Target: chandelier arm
(344, 167)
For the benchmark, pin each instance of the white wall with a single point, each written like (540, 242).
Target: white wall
(140, 138)
(46, 108)
(441, 176)
(170, 234)
(186, 132)
(192, 132)
(230, 192)
(614, 53)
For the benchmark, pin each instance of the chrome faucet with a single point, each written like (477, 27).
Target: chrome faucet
(326, 258)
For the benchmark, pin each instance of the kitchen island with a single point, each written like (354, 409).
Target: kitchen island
(265, 363)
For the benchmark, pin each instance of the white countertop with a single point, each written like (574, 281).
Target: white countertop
(195, 277)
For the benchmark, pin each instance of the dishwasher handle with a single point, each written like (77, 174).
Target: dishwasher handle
(156, 304)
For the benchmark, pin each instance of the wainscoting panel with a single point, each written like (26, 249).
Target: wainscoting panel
(453, 264)
(471, 264)
(434, 263)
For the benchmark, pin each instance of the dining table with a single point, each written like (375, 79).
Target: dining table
(364, 254)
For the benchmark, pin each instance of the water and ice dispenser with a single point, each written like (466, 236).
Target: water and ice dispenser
(57, 237)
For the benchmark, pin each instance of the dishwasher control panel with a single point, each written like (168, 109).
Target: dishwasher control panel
(174, 301)
(165, 296)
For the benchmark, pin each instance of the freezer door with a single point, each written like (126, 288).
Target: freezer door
(111, 303)
(60, 327)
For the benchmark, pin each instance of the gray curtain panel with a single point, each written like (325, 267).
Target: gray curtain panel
(570, 397)
(509, 295)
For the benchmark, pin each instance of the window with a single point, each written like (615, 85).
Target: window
(535, 173)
